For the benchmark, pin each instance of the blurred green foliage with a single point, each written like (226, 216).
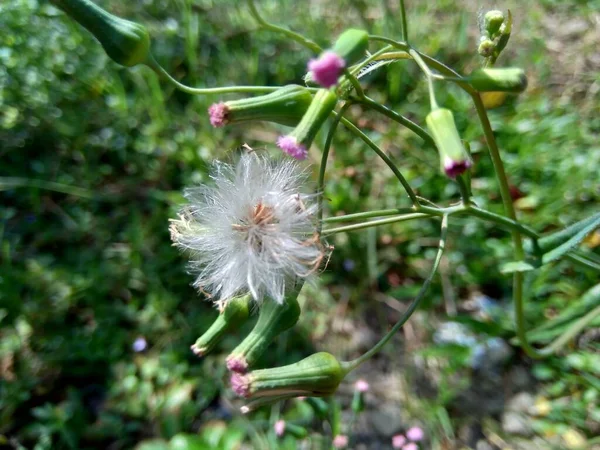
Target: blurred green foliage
(93, 160)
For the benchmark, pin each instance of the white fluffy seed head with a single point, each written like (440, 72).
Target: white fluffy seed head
(252, 231)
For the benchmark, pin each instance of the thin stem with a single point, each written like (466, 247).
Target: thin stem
(383, 156)
(512, 225)
(422, 133)
(355, 83)
(368, 215)
(351, 365)
(374, 223)
(403, 21)
(154, 65)
(355, 69)
(384, 56)
(417, 57)
(309, 44)
(323, 166)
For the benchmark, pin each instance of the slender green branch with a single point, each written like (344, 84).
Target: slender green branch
(512, 225)
(374, 223)
(323, 166)
(154, 65)
(351, 365)
(421, 132)
(403, 21)
(383, 156)
(309, 44)
(368, 215)
(354, 70)
(427, 71)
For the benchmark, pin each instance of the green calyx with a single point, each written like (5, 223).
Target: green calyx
(454, 158)
(273, 319)
(318, 375)
(234, 314)
(285, 106)
(351, 45)
(505, 80)
(125, 42)
(319, 110)
(492, 21)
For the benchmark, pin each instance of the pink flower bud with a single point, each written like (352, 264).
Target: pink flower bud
(415, 434)
(279, 428)
(237, 364)
(326, 69)
(218, 114)
(292, 147)
(361, 386)
(240, 385)
(398, 441)
(340, 441)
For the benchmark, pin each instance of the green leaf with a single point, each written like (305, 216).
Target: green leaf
(516, 266)
(557, 244)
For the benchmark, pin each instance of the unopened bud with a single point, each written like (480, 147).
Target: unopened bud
(235, 312)
(125, 42)
(285, 106)
(273, 319)
(486, 47)
(493, 80)
(350, 46)
(454, 158)
(318, 375)
(492, 21)
(298, 142)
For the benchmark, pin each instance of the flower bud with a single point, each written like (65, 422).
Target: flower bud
(493, 80)
(235, 312)
(125, 42)
(273, 319)
(297, 143)
(350, 46)
(285, 106)
(453, 156)
(358, 401)
(282, 427)
(486, 47)
(318, 375)
(492, 22)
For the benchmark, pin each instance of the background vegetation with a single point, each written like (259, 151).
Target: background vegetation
(93, 159)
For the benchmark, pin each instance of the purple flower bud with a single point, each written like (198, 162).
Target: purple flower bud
(398, 441)
(340, 441)
(290, 145)
(326, 69)
(279, 428)
(361, 386)
(237, 364)
(218, 114)
(240, 385)
(455, 168)
(415, 434)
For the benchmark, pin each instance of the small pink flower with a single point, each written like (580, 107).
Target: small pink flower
(340, 441)
(237, 364)
(279, 428)
(326, 69)
(454, 168)
(398, 441)
(361, 386)
(292, 147)
(240, 385)
(410, 446)
(218, 114)
(415, 434)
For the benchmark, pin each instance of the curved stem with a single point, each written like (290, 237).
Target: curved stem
(512, 225)
(403, 21)
(417, 57)
(368, 215)
(351, 365)
(323, 166)
(154, 65)
(374, 223)
(309, 44)
(383, 156)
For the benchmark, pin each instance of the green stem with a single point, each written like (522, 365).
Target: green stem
(368, 215)
(422, 133)
(512, 225)
(356, 69)
(403, 21)
(351, 365)
(374, 223)
(309, 44)
(323, 166)
(383, 156)
(154, 65)
(425, 68)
